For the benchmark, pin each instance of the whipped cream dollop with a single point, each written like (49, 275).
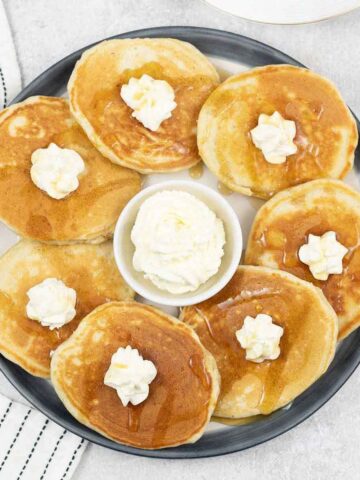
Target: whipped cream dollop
(51, 303)
(274, 137)
(55, 170)
(152, 100)
(260, 337)
(323, 255)
(130, 375)
(178, 241)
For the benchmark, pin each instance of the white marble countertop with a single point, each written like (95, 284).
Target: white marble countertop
(327, 445)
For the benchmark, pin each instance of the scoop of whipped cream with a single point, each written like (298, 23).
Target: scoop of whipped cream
(260, 337)
(51, 303)
(55, 170)
(274, 137)
(152, 100)
(130, 375)
(178, 241)
(323, 255)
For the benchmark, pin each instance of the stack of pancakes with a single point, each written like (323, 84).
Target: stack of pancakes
(202, 369)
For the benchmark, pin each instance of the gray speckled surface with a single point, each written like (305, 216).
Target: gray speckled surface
(327, 445)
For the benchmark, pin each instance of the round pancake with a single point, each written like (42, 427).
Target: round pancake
(307, 345)
(89, 269)
(326, 133)
(182, 396)
(283, 224)
(89, 213)
(94, 90)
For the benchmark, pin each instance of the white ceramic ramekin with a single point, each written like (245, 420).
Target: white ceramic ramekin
(124, 248)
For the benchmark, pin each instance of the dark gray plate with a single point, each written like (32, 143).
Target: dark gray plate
(228, 439)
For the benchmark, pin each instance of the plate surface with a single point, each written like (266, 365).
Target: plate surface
(231, 53)
(286, 12)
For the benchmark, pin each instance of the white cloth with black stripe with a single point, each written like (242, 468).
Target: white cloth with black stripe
(33, 447)
(10, 80)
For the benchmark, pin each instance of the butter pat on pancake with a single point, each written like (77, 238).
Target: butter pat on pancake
(307, 344)
(88, 269)
(87, 214)
(181, 398)
(94, 91)
(325, 139)
(283, 225)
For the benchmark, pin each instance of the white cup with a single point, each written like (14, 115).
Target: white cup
(124, 248)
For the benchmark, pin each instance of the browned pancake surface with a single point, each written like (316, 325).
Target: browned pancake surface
(326, 131)
(91, 211)
(307, 345)
(88, 269)
(94, 90)
(181, 395)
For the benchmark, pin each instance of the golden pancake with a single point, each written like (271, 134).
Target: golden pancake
(283, 224)
(87, 214)
(182, 396)
(89, 269)
(94, 90)
(326, 133)
(306, 347)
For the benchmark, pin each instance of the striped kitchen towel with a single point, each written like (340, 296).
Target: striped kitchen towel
(33, 447)
(10, 80)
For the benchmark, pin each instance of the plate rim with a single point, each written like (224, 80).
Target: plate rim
(196, 450)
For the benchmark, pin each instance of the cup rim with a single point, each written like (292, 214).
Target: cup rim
(163, 297)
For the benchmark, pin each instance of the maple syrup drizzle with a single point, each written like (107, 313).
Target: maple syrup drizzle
(224, 190)
(134, 417)
(236, 421)
(165, 415)
(164, 419)
(196, 171)
(133, 420)
(207, 323)
(197, 366)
